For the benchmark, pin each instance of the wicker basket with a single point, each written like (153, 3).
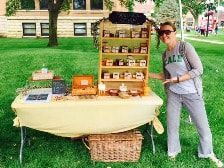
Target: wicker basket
(120, 147)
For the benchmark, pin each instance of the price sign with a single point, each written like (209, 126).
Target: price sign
(58, 87)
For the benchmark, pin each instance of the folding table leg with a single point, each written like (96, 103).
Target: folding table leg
(23, 140)
(150, 132)
(151, 135)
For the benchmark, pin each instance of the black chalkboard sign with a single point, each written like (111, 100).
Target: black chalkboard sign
(127, 18)
(58, 87)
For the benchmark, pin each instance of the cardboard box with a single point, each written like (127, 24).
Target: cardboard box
(144, 50)
(144, 33)
(127, 75)
(142, 63)
(136, 50)
(124, 49)
(38, 75)
(106, 49)
(106, 75)
(109, 62)
(116, 75)
(106, 33)
(115, 49)
(131, 62)
(135, 34)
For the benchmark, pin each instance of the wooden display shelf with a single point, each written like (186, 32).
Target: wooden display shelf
(121, 80)
(130, 44)
(124, 54)
(123, 67)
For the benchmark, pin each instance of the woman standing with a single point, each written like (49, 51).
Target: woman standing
(181, 76)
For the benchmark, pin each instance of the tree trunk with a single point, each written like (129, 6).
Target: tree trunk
(196, 21)
(53, 18)
(196, 16)
(54, 7)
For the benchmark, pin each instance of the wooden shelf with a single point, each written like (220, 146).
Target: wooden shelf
(121, 80)
(124, 54)
(130, 44)
(123, 67)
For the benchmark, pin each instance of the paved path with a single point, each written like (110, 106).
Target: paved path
(202, 40)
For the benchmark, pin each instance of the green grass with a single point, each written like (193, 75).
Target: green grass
(19, 57)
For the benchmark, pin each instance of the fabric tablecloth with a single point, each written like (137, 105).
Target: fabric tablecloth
(74, 117)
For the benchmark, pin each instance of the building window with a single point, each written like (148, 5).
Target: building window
(79, 4)
(96, 4)
(29, 29)
(27, 5)
(44, 29)
(80, 29)
(43, 5)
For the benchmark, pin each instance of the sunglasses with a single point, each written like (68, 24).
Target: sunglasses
(167, 32)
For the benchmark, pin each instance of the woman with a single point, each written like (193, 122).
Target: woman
(181, 76)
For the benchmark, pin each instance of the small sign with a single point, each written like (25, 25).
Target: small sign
(58, 87)
(38, 98)
(84, 82)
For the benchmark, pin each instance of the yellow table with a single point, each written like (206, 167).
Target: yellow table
(74, 117)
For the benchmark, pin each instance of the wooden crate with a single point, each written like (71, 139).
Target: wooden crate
(83, 85)
(119, 147)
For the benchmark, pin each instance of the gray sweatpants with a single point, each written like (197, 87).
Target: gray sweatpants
(195, 105)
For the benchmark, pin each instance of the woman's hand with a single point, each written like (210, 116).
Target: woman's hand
(172, 80)
(178, 79)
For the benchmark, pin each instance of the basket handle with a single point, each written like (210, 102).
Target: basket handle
(84, 140)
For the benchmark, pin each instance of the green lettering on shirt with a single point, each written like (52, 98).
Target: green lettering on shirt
(174, 58)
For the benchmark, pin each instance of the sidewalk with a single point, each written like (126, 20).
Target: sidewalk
(202, 40)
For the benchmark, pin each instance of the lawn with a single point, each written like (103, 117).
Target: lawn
(19, 57)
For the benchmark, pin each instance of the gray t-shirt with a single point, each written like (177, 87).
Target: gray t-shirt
(175, 65)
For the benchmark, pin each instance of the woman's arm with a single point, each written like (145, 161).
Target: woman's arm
(194, 60)
(178, 79)
(159, 76)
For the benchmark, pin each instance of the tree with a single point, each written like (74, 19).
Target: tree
(129, 4)
(167, 11)
(195, 7)
(54, 8)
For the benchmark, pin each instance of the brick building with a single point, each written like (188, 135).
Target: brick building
(75, 22)
(34, 23)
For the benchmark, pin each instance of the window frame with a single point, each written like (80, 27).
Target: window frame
(91, 4)
(43, 8)
(80, 34)
(84, 7)
(41, 27)
(29, 34)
